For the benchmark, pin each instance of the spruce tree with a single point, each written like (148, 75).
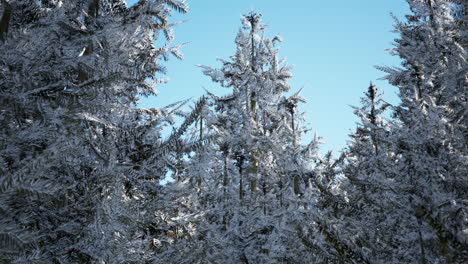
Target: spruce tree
(74, 151)
(415, 180)
(247, 176)
(429, 144)
(368, 185)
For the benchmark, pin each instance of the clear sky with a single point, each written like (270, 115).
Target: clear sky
(333, 46)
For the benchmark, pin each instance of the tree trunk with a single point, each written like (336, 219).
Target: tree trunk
(5, 21)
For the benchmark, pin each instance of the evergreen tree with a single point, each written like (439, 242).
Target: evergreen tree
(369, 186)
(429, 144)
(74, 151)
(415, 176)
(246, 177)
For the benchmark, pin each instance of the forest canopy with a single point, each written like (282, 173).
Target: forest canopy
(83, 168)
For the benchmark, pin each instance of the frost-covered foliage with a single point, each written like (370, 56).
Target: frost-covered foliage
(247, 179)
(369, 186)
(79, 165)
(408, 176)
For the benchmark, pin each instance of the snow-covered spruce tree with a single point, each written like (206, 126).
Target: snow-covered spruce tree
(368, 186)
(75, 155)
(421, 213)
(246, 179)
(430, 143)
(191, 212)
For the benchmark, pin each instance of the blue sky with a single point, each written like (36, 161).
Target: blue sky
(333, 46)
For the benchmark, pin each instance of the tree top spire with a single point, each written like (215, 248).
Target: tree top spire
(253, 18)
